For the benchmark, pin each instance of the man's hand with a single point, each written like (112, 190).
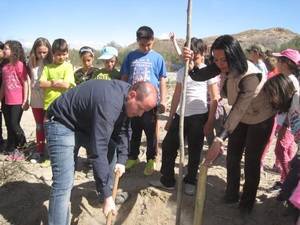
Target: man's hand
(120, 168)
(213, 152)
(109, 206)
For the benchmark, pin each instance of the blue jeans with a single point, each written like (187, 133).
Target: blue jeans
(60, 142)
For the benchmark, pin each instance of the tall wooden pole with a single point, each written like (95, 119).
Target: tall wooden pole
(200, 196)
(181, 121)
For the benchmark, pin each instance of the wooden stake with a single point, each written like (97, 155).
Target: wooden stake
(181, 121)
(200, 196)
(114, 194)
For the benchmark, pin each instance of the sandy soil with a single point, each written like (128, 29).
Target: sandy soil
(25, 189)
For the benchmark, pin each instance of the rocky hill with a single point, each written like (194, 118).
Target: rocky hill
(271, 38)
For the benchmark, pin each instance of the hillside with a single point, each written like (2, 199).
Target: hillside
(272, 38)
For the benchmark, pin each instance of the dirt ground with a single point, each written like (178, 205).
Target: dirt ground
(25, 187)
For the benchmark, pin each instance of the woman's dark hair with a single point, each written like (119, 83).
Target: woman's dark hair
(280, 90)
(17, 51)
(235, 56)
(291, 65)
(198, 46)
(1, 45)
(59, 45)
(33, 57)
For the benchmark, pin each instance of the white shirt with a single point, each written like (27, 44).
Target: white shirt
(196, 94)
(37, 93)
(282, 116)
(262, 67)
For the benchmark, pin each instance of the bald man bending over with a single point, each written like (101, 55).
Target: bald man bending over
(99, 109)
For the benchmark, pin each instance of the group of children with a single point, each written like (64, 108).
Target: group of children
(40, 81)
(48, 74)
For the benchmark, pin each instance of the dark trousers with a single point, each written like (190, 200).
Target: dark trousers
(193, 130)
(1, 133)
(82, 140)
(292, 178)
(1, 112)
(15, 134)
(147, 123)
(252, 140)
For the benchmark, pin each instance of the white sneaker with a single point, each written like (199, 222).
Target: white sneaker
(189, 189)
(160, 185)
(35, 158)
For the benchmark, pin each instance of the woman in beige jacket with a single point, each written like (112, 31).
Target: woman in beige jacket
(249, 123)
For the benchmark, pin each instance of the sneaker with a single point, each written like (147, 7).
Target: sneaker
(131, 163)
(19, 155)
(46, 163)
(90, 175)
(160, 185)
(16, 155)
(150, 167)
(10, 156)
(276, 187)
(35, 158)
(121, 197)
(189, 189)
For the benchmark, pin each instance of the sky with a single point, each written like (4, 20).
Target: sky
(97, 22)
